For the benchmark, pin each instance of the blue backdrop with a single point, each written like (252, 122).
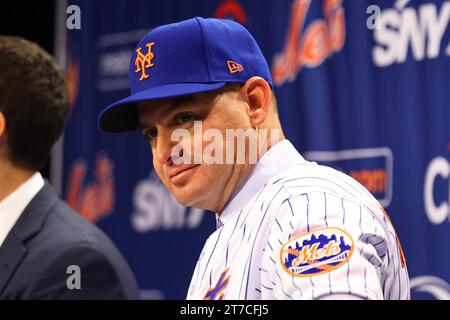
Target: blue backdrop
(363, 86)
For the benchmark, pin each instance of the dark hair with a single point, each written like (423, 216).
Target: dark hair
(33, 100)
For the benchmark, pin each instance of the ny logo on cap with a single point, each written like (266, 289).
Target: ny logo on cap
(143, 62)
(234, 66)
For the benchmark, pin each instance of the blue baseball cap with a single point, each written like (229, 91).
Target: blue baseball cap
(187, 57)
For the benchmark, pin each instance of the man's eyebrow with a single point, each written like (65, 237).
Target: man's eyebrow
(176, 104)
(171, 108)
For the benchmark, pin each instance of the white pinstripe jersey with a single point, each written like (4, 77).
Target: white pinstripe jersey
(299, 230)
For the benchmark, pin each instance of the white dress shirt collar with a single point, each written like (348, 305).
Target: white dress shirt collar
(278, 158)
(13, 205)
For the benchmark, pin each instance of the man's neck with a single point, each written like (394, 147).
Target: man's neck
(246, 172)
(237, 183)
(11, 178)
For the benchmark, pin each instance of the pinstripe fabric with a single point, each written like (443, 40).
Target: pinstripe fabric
(286, 197)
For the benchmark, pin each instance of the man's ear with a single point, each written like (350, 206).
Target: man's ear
(258, 95)
(3, 134)
(2, 126)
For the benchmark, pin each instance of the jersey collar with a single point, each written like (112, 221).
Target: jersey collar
(278, 158)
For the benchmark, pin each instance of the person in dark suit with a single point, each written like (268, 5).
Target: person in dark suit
(47, 250)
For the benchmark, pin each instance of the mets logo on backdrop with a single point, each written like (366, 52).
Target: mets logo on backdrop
(320, 251)
(143, 62)
(309, 46)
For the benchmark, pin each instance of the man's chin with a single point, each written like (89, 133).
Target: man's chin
(191, 201)
(183, 198)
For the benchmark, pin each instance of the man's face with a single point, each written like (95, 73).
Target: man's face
(205, 186)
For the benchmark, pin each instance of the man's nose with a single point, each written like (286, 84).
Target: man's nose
(166, 153)
(163, 149)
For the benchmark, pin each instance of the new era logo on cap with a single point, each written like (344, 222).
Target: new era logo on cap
(234, 66)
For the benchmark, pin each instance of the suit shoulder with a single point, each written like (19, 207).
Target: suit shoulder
(66, 226)
(64, 229)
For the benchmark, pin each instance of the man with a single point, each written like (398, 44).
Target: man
(201, 93)
(47, 251)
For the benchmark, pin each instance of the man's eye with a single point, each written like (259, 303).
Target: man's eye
(183, 118)
(150, 134)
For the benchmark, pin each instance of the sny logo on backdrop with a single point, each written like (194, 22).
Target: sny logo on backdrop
(400, 28)
(436, 190)
(320, 40)
(156, 208)
(370, 167)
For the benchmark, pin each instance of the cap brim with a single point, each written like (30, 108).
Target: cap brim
(122, 116)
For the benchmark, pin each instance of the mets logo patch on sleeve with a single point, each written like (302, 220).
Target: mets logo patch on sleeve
(319, 251)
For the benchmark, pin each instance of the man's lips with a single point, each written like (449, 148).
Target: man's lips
(175, 171)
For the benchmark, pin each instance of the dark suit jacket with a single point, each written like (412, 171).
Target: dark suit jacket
(47, 239)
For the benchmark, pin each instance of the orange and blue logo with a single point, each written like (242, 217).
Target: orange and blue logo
(218, 291)
(309, 46)
(234, 66)
(371, 167)
(317, 252)
(94, 200)
(144, 62)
